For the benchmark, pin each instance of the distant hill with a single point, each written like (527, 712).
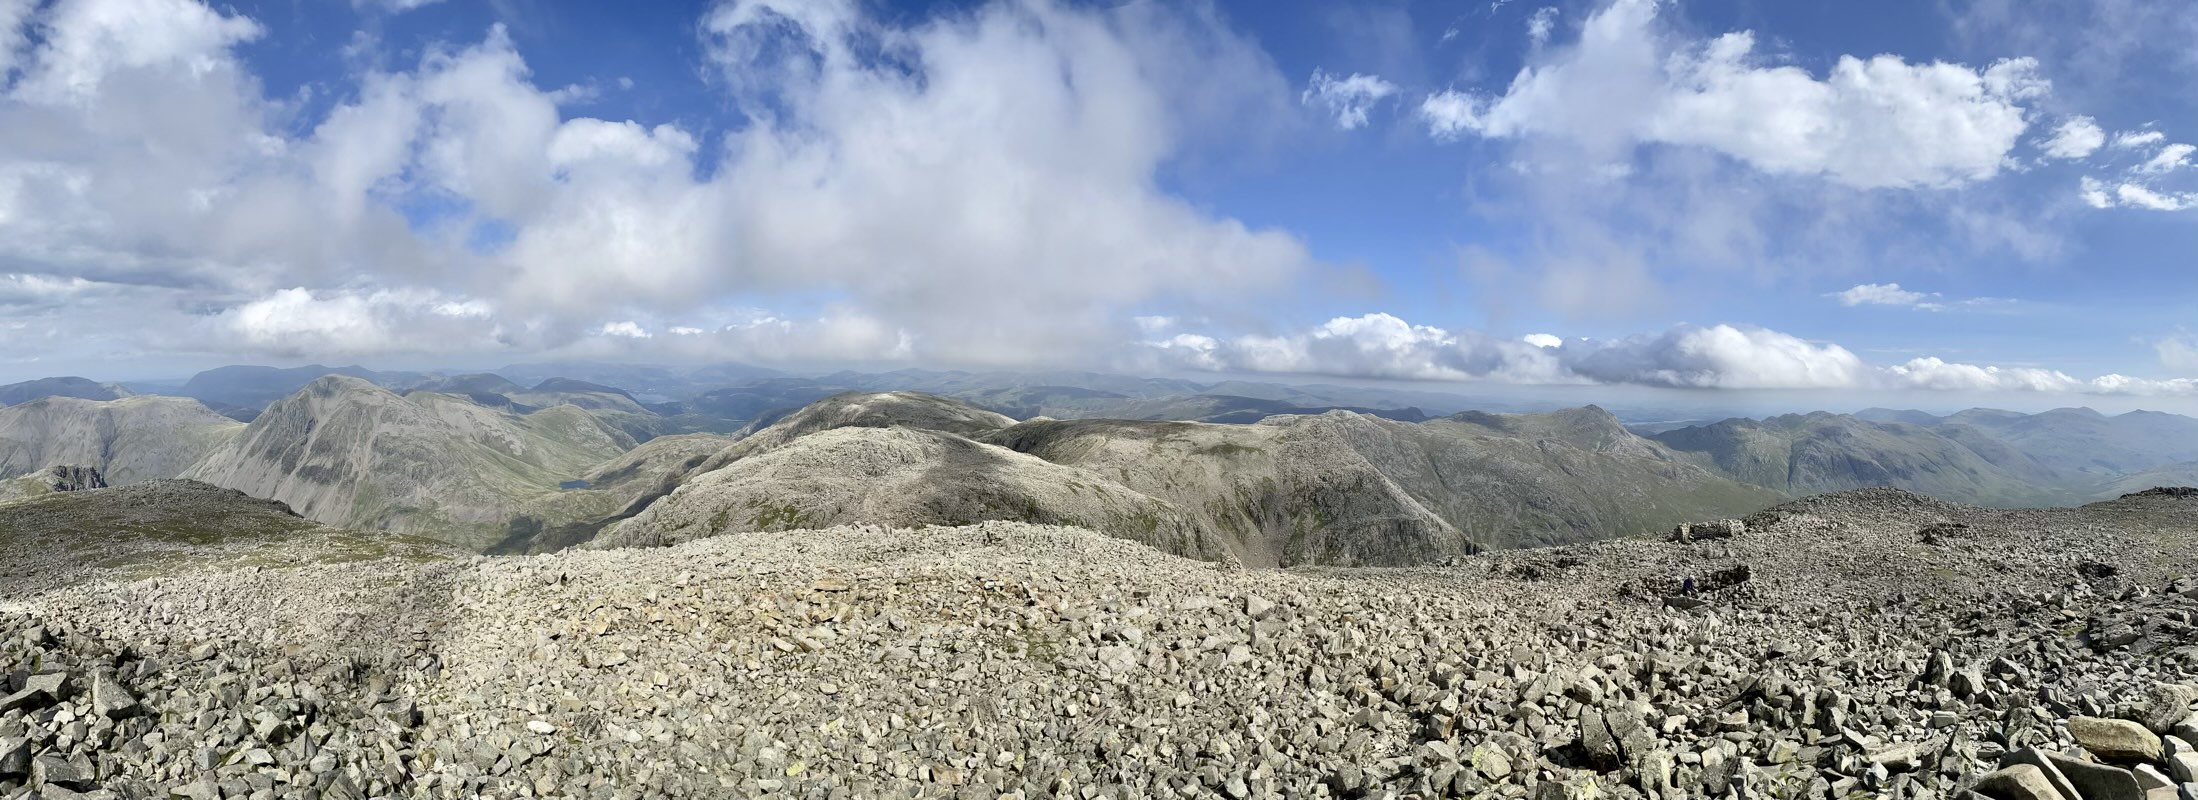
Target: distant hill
(1804, 454)
(346, 452)
(1347, 488)
(1334, 488)
(172, 527)
(1984, 456)
(903, 476)
(82, 388)
(128, 440)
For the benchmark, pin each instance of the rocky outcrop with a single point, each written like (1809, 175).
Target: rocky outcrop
(128, 440)
(51, 480)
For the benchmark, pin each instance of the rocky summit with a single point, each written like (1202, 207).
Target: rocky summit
(1864, 644)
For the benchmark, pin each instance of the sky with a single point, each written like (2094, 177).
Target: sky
(1973, 198)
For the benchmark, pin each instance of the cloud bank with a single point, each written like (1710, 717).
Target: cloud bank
(1683, 357)
(911, 174)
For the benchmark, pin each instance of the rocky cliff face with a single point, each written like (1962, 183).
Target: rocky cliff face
(345, 452)
(51, 480)
(128, 440)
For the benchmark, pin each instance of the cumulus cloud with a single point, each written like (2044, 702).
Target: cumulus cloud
(2170, 158)
(2130, 194)
(1884, 294)
(1450, 114)
(2130, 140)
(909, 170)
(1869, 123)
(1684, 357)
(1346, 98)
(2076, 137)
(298, 322)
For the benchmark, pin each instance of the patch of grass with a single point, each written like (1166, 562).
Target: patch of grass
(781, 518)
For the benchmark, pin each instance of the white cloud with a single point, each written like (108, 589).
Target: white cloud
(1539, 26)
(2130, 140)
(2094, 193)
(836, 337)
(1347, 99)
(1885, 294)
(2170, 158)
(626, 328)
(393, 6)
(1869, 123)
(2131, 194)
(1450, 114)
(1686, 357)
(298, 322)
(89, 41)
(2136, 196)
(1720, 357)
(1374, 345)
(924, 204)
(2076, 137)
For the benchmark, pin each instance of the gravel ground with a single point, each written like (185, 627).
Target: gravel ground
(1866, 644)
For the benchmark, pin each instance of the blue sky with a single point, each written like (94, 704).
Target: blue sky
(1970, 196)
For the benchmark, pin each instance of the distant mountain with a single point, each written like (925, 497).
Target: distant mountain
(2086, 441)
(1983, 456)
(653, 382)
(1821, 452)
(1907, 416)
(82, 388)
(753, 398)
(1347, 488)
(253, 387)
(475, 383)
(1334, 488)
(128, 440)
(902, 459)
(346, 452)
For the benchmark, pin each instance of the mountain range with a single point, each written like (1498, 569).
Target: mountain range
(1257, 473)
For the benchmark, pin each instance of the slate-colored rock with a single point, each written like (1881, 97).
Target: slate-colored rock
(2019, 782)
(2098, 781)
